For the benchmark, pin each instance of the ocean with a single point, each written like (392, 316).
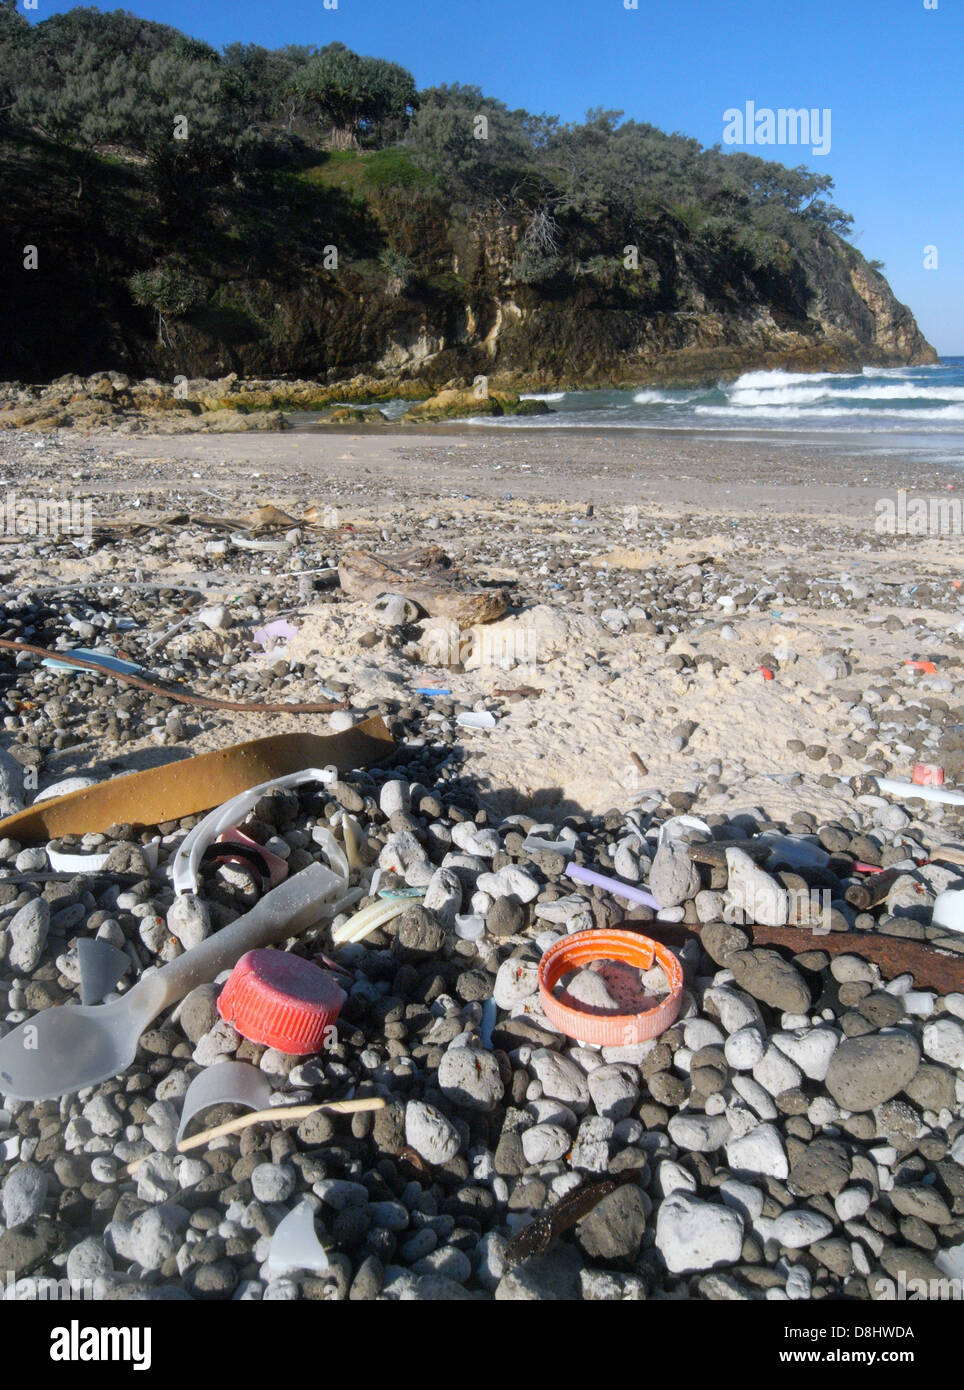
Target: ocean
(910, 410)
(880, 400)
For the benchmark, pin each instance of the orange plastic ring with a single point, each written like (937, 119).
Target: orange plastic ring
(609, 1030)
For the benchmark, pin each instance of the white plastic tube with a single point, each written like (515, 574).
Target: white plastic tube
(188, 856)
(909, 790)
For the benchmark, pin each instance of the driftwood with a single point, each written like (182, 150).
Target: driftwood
(931, 967)
(424, 577)
(874, 890)
(713, 852)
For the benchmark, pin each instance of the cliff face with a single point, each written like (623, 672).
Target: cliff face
(686, 317)
(269, 306)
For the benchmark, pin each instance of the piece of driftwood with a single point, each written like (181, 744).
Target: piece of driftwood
(874, 890)
(424, 576)
(931, 967)
(713, 852)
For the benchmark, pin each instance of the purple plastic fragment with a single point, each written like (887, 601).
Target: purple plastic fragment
(612, 885)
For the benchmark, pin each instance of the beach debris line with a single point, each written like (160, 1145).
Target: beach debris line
(581, 1125)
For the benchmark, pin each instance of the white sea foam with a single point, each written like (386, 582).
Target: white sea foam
(772, 380)
(796, 412)
(664, 397)
(803, 395)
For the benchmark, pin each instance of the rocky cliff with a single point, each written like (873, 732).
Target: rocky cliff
(267, 302)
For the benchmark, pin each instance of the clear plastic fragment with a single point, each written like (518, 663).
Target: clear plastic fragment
(225, 1083)
(295, 1244)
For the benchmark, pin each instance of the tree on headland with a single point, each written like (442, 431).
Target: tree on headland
(354, 95)
(170, 290)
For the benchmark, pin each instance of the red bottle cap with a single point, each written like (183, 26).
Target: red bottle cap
(282, 1000)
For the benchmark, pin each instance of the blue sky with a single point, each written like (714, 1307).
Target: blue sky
(888, 70)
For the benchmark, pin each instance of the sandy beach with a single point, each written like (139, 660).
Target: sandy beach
(664, 570)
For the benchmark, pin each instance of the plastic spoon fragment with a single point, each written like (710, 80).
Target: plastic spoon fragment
(64, 1048)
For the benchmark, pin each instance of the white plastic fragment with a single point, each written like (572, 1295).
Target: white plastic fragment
(949, 910)
(364, 922)
(393, 610)
(232, 813)
(476, 719)
(225, 1083)
(671, 829)
(469, 926)
(909, 790)
(295, 1244)
(332, 851)
(244, 542)
(75, 863)
(565, 844)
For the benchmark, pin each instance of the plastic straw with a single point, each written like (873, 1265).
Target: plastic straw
(612, 885)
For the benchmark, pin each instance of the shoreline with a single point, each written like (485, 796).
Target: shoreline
(681, 467)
